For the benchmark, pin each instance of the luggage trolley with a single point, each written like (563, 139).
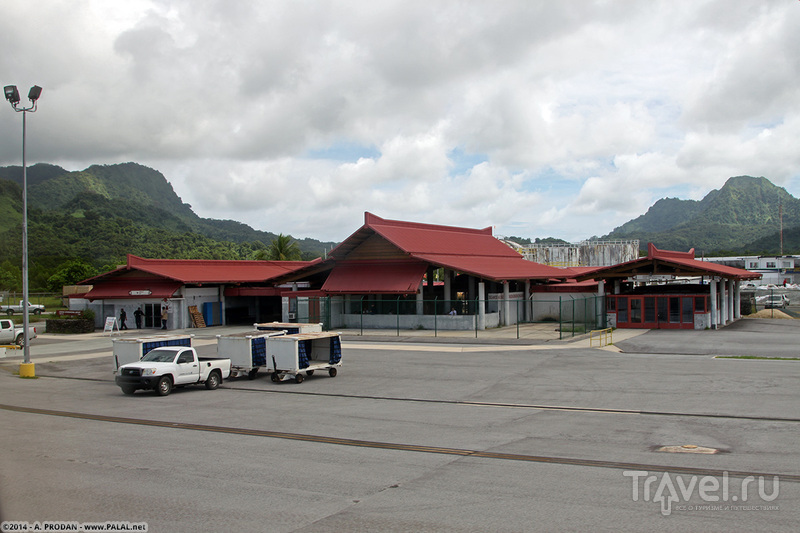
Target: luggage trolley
(300, 355)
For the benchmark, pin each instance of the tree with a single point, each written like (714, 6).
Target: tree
(70, 273)
(282, 248)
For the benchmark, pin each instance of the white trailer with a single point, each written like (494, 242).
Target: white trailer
(289, 327)
(300, 355)
(247, 351)
(131, 349)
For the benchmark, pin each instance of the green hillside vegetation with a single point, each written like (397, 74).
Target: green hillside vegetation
(96, 216)
(742, 218)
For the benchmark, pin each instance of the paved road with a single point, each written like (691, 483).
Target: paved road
(416, 437)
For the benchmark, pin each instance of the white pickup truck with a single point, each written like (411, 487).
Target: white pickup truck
(10, 333)
(34, 309)
(166, 367)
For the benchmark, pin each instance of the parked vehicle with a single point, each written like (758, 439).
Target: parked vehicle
(247, 351)
(34, 309)
(300, 355)
(163, 368)
(131, 349)
(11, 333)
(776, 301)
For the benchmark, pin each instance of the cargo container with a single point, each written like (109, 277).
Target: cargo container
(289, 327)
(300, 355)
(131, 349)
(247, 351)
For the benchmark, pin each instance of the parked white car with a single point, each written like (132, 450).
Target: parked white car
(776, 301)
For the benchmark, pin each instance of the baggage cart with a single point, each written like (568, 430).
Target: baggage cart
(289, 327)
(246, 350)
(300, 355)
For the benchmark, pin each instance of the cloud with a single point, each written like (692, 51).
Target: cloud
(560, 119)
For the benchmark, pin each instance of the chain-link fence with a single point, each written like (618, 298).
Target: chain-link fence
(550, 316)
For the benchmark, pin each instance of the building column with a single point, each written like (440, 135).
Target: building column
(713, 301)
(731, 298)
(506, 304)
(737, 302)
(528, 302)
(448, 295)
(723, 303)
(481, 311)
(601, 291)
(420, 297)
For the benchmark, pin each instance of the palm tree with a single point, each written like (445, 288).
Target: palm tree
(282, 248)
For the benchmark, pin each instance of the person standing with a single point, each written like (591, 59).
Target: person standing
(164, 317)
(137, 316)
(123, 316)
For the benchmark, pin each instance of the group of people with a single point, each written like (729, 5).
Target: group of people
(138, 315)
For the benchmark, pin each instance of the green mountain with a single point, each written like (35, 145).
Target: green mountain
(743, 217)
(101, 213)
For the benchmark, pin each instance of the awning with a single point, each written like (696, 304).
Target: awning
(370, 277)
(130, 289)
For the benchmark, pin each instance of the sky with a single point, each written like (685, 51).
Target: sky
(538, 118)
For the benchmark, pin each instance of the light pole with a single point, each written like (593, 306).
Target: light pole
(26, 369)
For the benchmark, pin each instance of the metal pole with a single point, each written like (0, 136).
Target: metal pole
(26, 348)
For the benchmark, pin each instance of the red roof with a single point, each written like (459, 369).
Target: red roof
(199, 271)
(475, 251)
(375, 277)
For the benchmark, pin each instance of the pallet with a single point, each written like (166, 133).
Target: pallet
(197, 317)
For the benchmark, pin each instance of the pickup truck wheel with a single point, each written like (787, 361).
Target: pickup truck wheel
(10, 312)
(252, 374)
(20, 340)
(332, 372)
(299, 378)
(274, 377)
(309, 373)
(37, 311)
(128, 390)
(213, 380)
(164, 386)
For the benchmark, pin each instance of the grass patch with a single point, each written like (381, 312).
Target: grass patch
(757, 357)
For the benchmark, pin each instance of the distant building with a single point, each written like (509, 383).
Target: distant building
(583, 254)
(775, 269)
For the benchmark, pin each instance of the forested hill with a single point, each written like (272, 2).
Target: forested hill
(100, 214)
(741, 218)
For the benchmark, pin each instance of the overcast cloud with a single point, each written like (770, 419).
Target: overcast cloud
(539, 118)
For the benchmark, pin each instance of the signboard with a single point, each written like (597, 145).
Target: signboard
(144, 292)
(111, 321)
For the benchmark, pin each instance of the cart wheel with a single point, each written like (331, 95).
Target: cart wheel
(332, 372)
(299, 378)
(252, 374)
(309, 373)
(274, 377)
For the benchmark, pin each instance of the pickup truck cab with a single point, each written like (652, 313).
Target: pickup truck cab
(10, 333)
(34, 309)
(166, 367)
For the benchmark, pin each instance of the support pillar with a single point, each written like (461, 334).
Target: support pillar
(601, 291)
(481, 311)
(420, 297)
(713, 301)
(528, 302)
(737, 302)
(506, 304)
